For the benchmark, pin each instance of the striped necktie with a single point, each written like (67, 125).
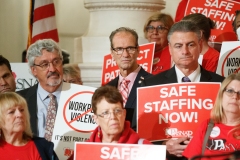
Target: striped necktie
(186, 79)
(124, 90)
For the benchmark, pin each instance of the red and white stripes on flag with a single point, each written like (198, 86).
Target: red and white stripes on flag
(42, 22)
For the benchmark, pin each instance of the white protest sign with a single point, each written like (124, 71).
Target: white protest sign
(74, 120)
(23, 76)
(229, 59)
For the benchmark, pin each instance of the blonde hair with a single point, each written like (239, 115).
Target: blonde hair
(12, 99)
(217, 113)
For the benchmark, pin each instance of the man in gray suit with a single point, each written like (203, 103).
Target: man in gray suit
(185, 46)
(125, 50)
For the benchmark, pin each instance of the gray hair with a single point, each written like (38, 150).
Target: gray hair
(184, 26)
(123, 29)
(35, 49)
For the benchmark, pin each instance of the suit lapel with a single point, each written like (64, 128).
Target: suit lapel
(171, 76)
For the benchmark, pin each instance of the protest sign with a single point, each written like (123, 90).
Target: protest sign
(23, 76)
(220, 11)
(74, 120)
(118, 151)
(173, 110)
(145, 59)
(229, 59)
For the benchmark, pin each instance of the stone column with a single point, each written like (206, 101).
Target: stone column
(106, 16)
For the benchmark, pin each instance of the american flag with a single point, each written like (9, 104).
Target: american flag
(42, 21)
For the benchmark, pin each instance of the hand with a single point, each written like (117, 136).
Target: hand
(174, 146)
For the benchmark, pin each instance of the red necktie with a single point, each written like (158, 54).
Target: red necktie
(124, 90)
(51, 116)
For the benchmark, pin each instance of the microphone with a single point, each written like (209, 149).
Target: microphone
(225, 156)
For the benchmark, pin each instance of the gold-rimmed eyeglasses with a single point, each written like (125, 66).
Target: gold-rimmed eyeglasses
(45, 65)
(107, 114)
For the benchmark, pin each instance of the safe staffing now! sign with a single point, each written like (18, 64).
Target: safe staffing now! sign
(118, 151)
(145, 59)
(174, 110)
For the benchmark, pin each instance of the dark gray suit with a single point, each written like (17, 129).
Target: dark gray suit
(30, 95)
(131, 101)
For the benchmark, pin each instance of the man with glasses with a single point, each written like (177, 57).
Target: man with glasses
(45, 61)
(185, 46)
(125, 50)
(7, 82)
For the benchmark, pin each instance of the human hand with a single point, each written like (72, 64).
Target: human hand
(177, 146)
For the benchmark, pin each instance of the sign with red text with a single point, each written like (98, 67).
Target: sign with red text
(173, 110)
(229, 59)
(220, 11)
(23, 76)
(74, 120)
(118, 151)
(145, 59)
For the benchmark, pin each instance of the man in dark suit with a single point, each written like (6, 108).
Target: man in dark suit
(125, 50)
(185, 46)
(7, 82)
(45, 61)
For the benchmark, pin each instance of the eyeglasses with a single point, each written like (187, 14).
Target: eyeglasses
(45, 65)
(159, 29)
(107, 114)
(231, 92)
(130, 50)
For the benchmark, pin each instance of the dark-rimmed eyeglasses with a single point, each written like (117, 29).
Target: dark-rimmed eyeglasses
(159, 29)
(231, 92)
(107, 114)
(120, 50)
(45, 65)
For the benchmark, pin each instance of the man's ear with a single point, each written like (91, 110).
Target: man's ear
(33, 70)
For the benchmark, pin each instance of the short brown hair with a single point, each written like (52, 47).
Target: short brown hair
(109, 93)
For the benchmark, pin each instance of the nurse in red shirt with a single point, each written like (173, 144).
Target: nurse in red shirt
(155, 30)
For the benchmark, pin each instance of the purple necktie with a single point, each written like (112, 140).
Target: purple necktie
(186, 79)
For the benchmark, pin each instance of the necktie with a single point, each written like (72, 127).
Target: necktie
(124, 90)
(50, 120)
(186, 79)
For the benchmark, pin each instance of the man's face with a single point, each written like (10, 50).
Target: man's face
(125, 61)
(7, 82)
(50, 77)
(185, 48)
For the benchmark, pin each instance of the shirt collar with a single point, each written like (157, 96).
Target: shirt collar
(194, 76)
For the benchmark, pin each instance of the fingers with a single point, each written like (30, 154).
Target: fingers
(174, 146)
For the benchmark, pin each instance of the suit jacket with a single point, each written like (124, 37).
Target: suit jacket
(30, 95)
(131, 101)
(170, 76)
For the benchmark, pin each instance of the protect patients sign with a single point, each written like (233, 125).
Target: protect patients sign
(173, 110)
(74, 120)
(106, 151)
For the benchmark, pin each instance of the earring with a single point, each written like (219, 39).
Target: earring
(99, 131)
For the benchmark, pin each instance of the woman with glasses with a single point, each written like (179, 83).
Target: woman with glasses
(224, 136)
(156, 30)
(209, 55)
(109, 114)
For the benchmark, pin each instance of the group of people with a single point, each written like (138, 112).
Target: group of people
(26, 131)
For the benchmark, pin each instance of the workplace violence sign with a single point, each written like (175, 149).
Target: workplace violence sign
(229, 59)
(173, 110)
(222, 12)
(74, 120)
(118, 151)
(145, 59)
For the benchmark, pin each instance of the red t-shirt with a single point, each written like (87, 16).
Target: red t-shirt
(210, 60)
(219, 142)
(27, 152)
(181, 10)
(161, 61)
